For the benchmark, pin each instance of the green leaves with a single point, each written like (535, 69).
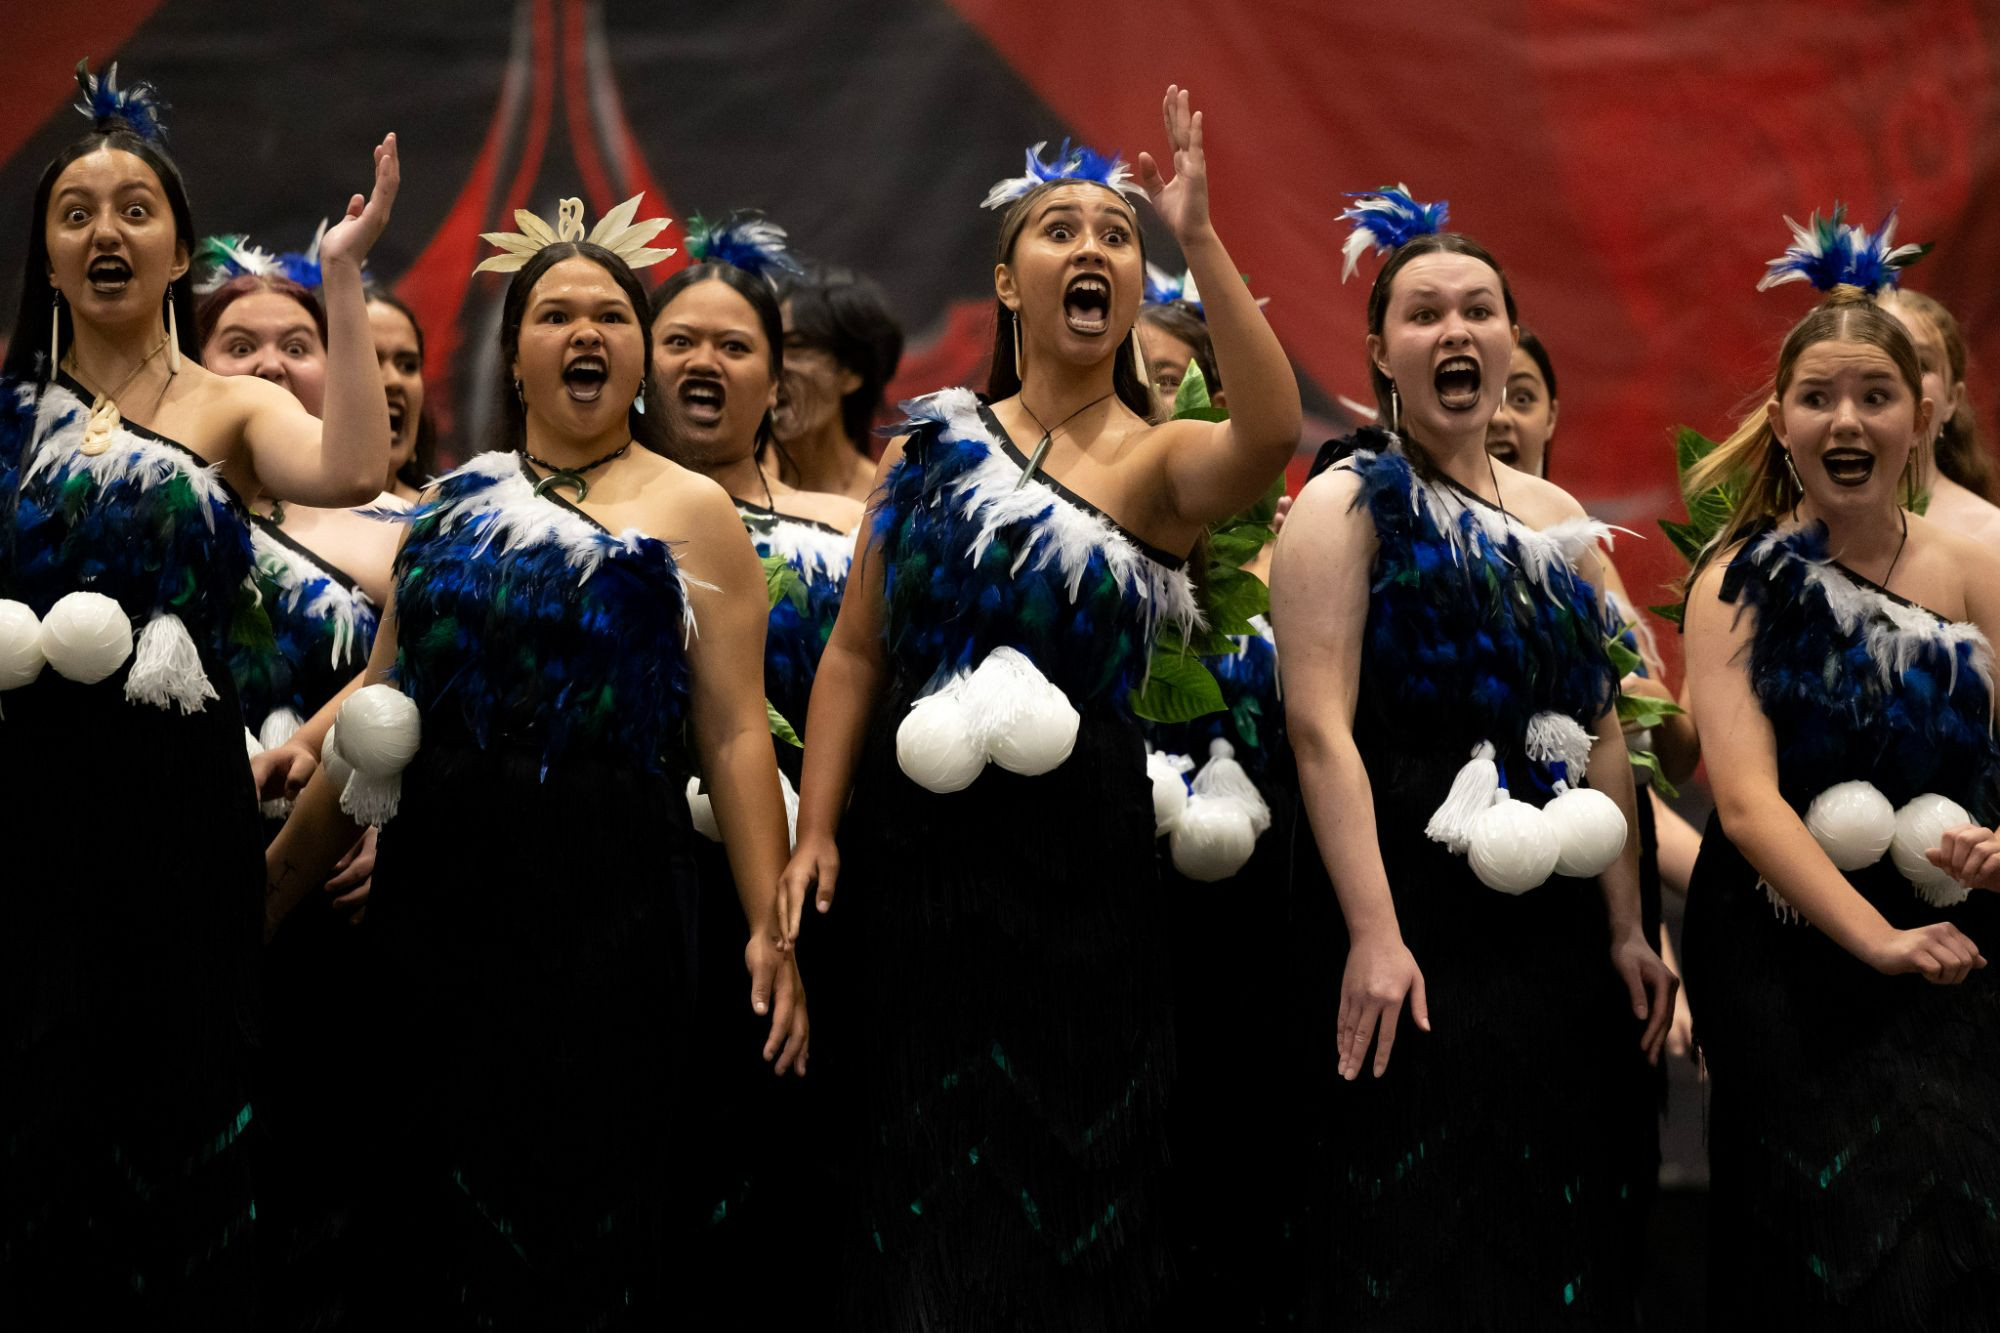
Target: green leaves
(782, 582)
(1709, 510)
(1179, 689)
(1649, 763)
(1645, 711)
(781, 728)
(1623, 659)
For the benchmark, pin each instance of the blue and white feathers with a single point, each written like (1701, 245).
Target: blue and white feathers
(221, 259)
(746, 239)
(1385, 220)
(802, 620)
(104, 103)
(1831, 252)
(1071, 163)
(1163, 288)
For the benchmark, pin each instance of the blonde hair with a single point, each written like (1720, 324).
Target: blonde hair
(1962, 454)
(1753, 462)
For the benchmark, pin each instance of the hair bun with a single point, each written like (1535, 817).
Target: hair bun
(1846, 293)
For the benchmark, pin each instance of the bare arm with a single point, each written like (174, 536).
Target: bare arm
(1319, 611)
(1743, 768)
(1217, 469)
(342, 461)
(852, 674)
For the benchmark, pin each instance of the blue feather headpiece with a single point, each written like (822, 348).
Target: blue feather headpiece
(1072, 163)
(219, 259)
(1831, 252)
(1387, 219)
(138, 107)
(746, 239)
(1163, 288)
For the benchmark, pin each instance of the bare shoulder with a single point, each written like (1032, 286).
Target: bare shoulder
(1538, 502)
(685, 505)
(1968, 559)
(840, 512)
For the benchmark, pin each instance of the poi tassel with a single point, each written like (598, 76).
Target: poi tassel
(279, 726)
(380, 730)
(1215, 835)
(166, 668)
(1557, 738)
(1471, 792)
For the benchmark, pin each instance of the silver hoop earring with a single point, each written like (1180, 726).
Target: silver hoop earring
(55, 333)
(1014, 318)
(173, 338)
(1395, 410)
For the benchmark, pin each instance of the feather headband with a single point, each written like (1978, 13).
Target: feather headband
(1831, 252)
(745, 239)
(1386, 220)
(220, 259)
(138, 107)
(1078, 163)
(615, 231)
(1163, 288)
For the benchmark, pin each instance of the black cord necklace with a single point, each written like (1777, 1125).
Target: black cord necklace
(571, 476)
(1048, 434)
(1901, 542)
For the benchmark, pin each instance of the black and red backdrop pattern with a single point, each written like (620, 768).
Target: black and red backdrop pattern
(1628, 163)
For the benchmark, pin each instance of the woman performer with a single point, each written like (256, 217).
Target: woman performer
(1432, 605)
(1012, 983)
(842, 346)
(127, 1195)
(1839, 655)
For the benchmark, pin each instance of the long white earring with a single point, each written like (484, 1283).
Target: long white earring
(1139, 360)
(55, 333)
(1014, 319)
(173, 339)
(1395, 410)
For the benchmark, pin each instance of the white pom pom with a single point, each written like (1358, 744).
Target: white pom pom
(1029, 724)
(938, 744)
(1212, 839)
(1557, 738)
(1511, 846)
(21, 657)
(380, 730)
(1471, 793)
(1920, 827)
(279, 726)
(1170, 789)
(1853, 824)
(86, 636)
(1590, 830)
(338, 770)
(702, 812)
(166, 669)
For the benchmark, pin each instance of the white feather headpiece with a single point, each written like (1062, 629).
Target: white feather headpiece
(615, 231)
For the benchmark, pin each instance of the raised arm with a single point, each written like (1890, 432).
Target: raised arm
(1743, 768)
(340, 459)
(1215, 470)
(732, 742)
(853, 672)
(1319, 612)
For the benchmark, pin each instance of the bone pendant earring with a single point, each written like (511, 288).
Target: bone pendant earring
(173, 338)
(1014, 319)
(55, 333)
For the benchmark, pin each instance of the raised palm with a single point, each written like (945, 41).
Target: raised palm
(1181, 202)
(351, 238)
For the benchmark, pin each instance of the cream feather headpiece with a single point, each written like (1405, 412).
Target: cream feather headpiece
(615, 231)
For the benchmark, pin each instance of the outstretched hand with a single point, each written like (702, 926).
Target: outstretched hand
(350, 239)
(1182, 202)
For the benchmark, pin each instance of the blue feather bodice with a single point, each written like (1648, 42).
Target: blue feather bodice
(1476, 622)
(802, 620)
(322, 626)
(521, 621)
(973, 561)
(1859, 684)
(147, 522)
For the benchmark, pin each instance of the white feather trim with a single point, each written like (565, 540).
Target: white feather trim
(1061, 534)
(290, 570)
(60, 419)
(816, 552)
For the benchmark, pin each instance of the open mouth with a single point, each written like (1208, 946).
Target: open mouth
(1848, 467)
(1087, 305)
(702, 400)
(1457, 382)
(109, 275)
(397, 411)
(584, 377)
(1502, 448)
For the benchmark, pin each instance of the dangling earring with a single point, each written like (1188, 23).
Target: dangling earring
(55, 333)
(1139, 361)
(639, 403)
(1395, 410)
(1014, 318)
(173, 338)
(520, 397)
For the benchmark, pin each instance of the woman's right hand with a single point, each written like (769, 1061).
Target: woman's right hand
(1940, 953)
(1380, 972)
(282, 771)
(810, 874)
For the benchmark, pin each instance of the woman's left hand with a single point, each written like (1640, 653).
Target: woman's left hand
(350, 239)
(777, 989)
(1652, 985)
(1182, 202)
(1970, 855)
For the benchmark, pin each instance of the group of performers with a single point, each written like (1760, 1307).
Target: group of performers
(433, 891)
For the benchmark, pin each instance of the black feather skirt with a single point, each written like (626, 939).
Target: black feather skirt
(1487, 1180)
(1012, 1043)
(129, 961)
(1854, 1118)
(535, 936)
